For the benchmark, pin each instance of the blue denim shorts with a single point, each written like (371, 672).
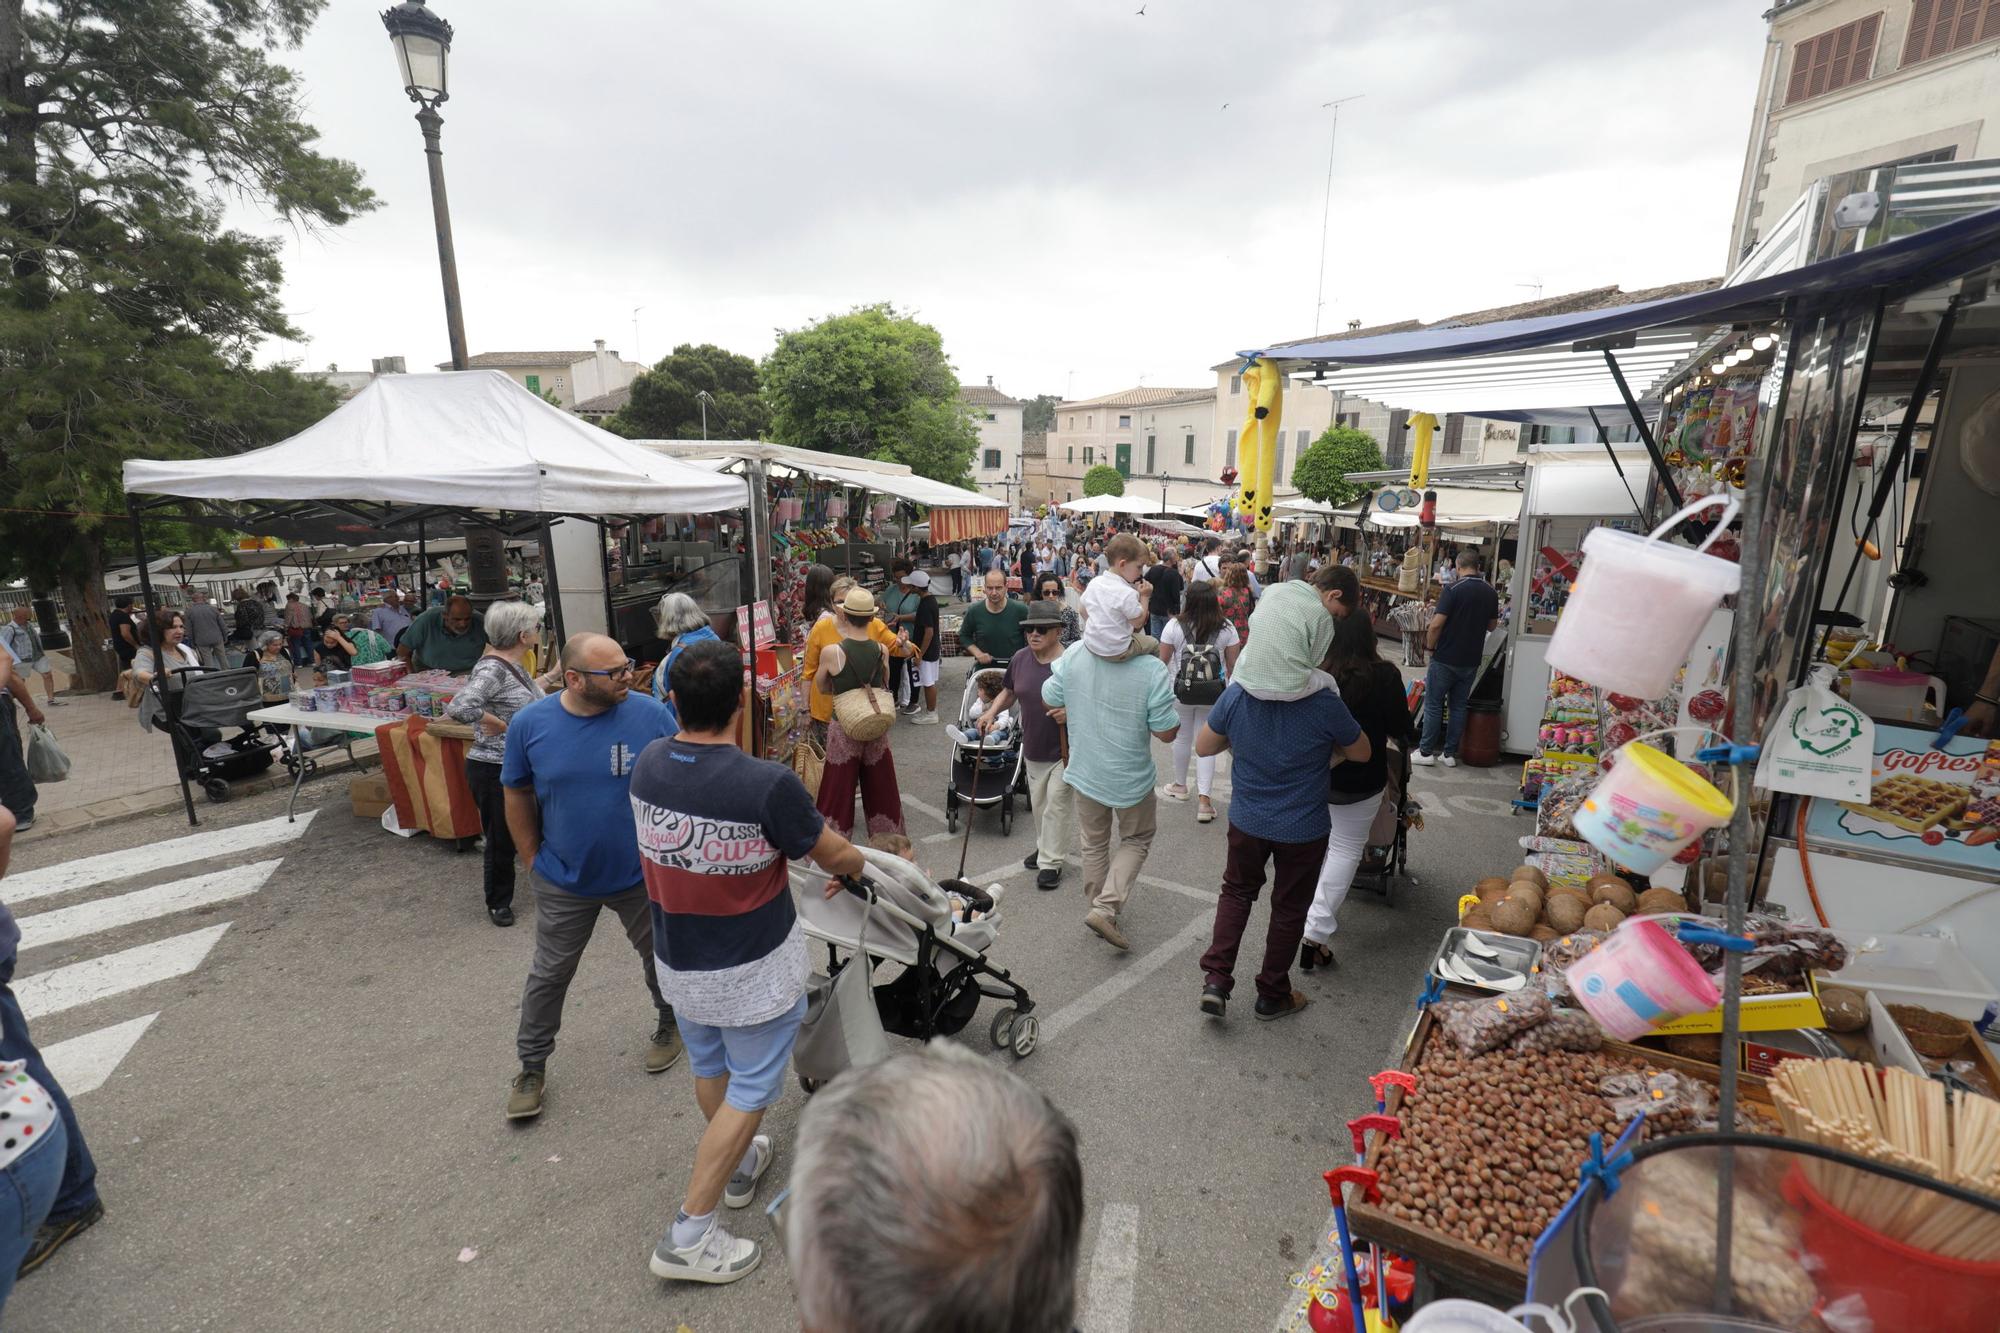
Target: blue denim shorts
(753, 1057)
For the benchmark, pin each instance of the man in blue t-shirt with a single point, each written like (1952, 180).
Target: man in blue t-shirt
(1456, 638)
(1277, 813)
(567, 772)
(716, 831)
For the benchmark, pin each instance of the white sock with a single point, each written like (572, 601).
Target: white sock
(688, 1230)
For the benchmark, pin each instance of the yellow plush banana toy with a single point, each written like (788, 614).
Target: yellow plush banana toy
(1257, 450)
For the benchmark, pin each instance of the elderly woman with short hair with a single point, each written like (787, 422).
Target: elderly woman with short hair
(497, 687)
(680, 621)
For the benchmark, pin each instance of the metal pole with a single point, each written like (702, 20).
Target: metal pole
(604, 566)
(553, 590)
(423, 589)
(454, 317)
(1674, 500)
(1326, 207)
(758, 513)
(1604, 438)
(159, 684)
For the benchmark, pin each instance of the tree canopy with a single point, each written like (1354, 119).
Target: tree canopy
(1039, 412)
(1103, 479)
(131, 314)
(873, 382)
(665, 403)
(1321, 472)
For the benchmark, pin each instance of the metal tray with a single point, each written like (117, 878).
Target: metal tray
(1517, 955)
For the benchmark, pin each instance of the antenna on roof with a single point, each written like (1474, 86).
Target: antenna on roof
(1326, 209)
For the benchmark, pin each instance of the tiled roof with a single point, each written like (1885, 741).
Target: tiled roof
(985, 395)
(520, 360)
(605, 403)
(1135, 397)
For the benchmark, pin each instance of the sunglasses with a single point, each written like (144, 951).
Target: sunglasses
(612, 672)
(1040, 629)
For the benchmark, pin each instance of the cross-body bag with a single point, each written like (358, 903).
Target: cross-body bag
(866, 712)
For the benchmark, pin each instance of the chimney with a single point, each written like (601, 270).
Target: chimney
(600, 346)
(989, 381)
(1353, 324)
(388, 365)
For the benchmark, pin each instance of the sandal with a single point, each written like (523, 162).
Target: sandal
(1206, 814)
(1314, 955)
(1174, 791)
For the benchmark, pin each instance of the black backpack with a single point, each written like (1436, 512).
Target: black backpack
(1199, 680)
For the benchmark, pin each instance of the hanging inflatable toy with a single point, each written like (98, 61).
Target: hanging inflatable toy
(1257, 449)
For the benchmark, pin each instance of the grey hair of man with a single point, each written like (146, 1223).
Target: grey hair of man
(676, 614)
(935, 1190)
(507, 621)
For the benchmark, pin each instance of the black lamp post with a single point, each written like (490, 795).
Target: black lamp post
(423, 46)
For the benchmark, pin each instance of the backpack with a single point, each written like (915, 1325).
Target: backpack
(1198, 681)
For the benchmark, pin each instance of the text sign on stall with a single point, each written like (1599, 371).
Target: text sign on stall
(761, 634)
(1941, 806)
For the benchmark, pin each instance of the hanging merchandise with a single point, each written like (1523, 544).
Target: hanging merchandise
(1647, 807)
(1634, 617)
(1264, 391)
(1638, 978)
(1820, 745)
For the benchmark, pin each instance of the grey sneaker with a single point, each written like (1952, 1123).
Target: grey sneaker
(716, 1258)
(742, 1186)
(525, 1103)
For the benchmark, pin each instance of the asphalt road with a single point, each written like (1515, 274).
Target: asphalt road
(307, 1131)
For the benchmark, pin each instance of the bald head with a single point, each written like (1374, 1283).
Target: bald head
(583, 651)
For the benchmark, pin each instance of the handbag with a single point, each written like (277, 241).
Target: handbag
(46, 760)
(131, 689)
(842, 1028)
(866, 712)
(809, 762)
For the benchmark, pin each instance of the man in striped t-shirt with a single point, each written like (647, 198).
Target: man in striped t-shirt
(717, 829)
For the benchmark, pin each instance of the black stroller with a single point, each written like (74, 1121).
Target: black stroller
(197, 707)
(1387, 856)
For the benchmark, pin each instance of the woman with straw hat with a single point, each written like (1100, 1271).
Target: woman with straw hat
(856, 662)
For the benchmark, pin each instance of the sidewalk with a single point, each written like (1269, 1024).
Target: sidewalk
(117, 769)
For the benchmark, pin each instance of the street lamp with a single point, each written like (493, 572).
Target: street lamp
(423, 46)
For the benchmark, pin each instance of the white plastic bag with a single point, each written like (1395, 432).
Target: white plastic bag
(46, 760)
(1820, 745)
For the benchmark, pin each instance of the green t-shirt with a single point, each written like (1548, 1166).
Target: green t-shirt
(998, 632)
(430, 643)
(1114, 708)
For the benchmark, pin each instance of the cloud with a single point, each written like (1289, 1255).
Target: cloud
(1057, 185)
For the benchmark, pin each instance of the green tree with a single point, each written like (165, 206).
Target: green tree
(1321, 472)
(1103, 479)
(873, 382)
(1039, 412)
(665, 406)
(131, 314)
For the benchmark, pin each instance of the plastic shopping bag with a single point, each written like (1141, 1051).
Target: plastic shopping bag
(1821, 745)
(46, 760)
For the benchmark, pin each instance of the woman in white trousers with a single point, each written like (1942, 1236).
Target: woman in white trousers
(1202, 623)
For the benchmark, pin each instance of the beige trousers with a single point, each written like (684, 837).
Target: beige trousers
(1055, 812)
(1108, 878)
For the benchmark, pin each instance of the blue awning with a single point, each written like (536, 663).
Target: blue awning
(1908, 264)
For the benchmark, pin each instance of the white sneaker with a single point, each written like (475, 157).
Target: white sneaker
(1421, 758)
(742, 1186)
(716, 1258)
(1448, 760)
(927, 720)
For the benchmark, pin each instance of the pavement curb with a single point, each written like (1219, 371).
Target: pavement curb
(83, 817)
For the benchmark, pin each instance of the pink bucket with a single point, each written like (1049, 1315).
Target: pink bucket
(1639, 978)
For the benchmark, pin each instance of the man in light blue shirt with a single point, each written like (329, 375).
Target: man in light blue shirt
(1114, 711)
(391, 618)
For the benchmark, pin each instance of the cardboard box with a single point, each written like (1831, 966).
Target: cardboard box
(1757, 1013)
(369, 796)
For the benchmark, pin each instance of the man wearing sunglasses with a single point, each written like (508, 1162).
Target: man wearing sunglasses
(568, 779)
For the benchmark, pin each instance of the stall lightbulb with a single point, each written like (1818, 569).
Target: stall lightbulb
(1717, 367)
(1763, 342)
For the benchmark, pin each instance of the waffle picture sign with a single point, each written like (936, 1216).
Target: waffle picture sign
(1937, 805)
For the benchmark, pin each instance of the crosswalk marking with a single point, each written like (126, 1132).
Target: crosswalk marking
(103, 869)
(82, 1064)
(1114, 1270)
(68, 923)
(115, 973)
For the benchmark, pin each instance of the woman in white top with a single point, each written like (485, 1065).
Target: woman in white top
(172, 630)
(1200, 622)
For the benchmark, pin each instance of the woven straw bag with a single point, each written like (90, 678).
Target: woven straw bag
(865, 713)
(809, 762)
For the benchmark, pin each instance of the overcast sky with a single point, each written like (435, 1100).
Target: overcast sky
(1058, 185)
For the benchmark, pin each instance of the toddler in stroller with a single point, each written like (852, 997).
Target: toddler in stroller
(985, 771)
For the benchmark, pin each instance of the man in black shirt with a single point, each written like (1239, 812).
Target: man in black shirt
(1456, 637)
(1168, 585)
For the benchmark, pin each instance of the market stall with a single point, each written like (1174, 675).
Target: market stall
(466, 447)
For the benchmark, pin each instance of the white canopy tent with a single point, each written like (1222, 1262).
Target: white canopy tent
(1113, 504)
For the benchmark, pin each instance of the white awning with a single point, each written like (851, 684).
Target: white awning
(1113, 504)
(891, 479)
(1545, 377)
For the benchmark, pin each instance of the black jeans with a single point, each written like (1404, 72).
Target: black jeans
(17, 789)
(484, 780)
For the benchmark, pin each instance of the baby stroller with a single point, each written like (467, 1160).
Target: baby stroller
(988, 771)
(1386, 859)
(941, 966)
(199, 702)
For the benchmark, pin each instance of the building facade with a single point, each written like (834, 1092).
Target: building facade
(1853, 84)
(1118, 429)
(996, 467)
(572, 377)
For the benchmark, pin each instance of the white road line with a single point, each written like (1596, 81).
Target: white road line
(115, 973)
(81, 1064)
(1104, 992)
(924, 807)
(1114, 1268)
(89, 870)
(939, 837)
(68, 923)
(1185, 890)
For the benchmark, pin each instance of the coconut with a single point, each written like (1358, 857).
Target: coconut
(1565, 911)
(1662, 900)
(1490, 889)
(1533, 875)
(1477, 918)
(1544, 934)
(1513, 917)
(1604, 917)
(1617, 893)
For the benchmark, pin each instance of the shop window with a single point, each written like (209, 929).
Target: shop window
(1187, 455)
(1939, 27)
(1843, 56)
(992, 460)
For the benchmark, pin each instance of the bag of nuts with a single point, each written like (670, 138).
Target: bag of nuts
(1565, 1030)
(1672, 1103)
(1477, 1026)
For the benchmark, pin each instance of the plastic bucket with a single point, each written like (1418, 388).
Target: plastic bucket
(1893, 696)
(1639, 604)
(1647, 807)
(1639, 978)
(1902, 1286)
